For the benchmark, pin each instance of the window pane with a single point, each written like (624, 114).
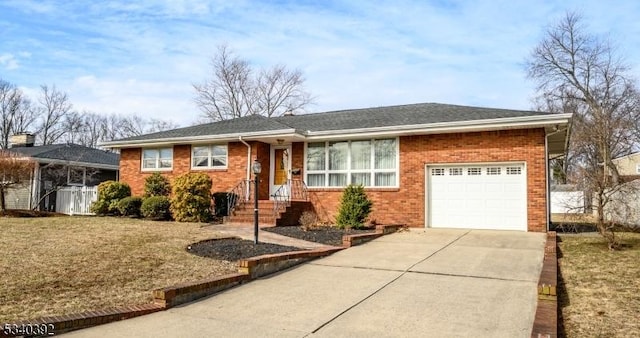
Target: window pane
(385, 179)
(76, 176)
(385, 154)
(315, 180)
(219, 161)
(200, 161)
(338, 156)
(149, 154)
(165, 163)
(315, 156)
(362, 179)
(219, 151)
(149, 164)
(361, 155)
(166, 153)
(337, 180)
(200, 151)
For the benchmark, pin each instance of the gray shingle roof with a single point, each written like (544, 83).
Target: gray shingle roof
(412, 114)
(245, 124)
(403, 115)
(69, 152)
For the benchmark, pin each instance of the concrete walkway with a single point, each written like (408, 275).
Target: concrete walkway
(246, 232)
(433, 283)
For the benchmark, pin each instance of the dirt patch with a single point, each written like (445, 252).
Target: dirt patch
(29, 213)
(598, 289)
(234, 249)
(328, 235)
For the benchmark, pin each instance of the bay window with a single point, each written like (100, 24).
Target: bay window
(157, 159)
(371, 163)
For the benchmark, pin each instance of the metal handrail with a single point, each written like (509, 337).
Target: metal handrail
(241, 192)
(293, 189)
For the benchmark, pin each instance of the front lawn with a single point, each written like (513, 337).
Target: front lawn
(600, 296)
(61, 265)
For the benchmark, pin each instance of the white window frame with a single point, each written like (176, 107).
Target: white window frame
(210, 156)
(157, 159)
(84, 176)
(372, 171)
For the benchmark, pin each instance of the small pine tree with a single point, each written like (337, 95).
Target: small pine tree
(355, 207)
(156, 185)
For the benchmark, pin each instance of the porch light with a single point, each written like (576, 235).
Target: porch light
(256, 167)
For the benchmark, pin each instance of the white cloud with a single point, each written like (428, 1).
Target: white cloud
(144, 55)
(9, 61)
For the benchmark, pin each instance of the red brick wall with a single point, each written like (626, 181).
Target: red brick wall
(223, 179)
(407, 203)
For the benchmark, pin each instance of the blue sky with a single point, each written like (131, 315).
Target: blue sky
(142, 57)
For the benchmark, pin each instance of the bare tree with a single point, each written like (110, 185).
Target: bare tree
(16, 115)
(73, 126)
(582, 71)
(14, 171)
(54, 106)
(236, 90)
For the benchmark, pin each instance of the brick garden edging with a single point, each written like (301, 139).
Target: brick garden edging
(545, 323)
(381, 230)
(165, 298)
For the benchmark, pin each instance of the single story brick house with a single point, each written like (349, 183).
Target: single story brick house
(424, 165)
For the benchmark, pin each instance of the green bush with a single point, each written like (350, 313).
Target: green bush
(156, 208)
(191, 200)
(100, 208)
(112, 190)
(156, 185)
(355, 207)
(109, 193)
(129, 206)
(221, 203)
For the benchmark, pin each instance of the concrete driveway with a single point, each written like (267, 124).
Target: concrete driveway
(421, 283)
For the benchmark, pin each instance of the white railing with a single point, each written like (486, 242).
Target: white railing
(76, 200)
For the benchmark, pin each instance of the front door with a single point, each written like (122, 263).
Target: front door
(280, 169)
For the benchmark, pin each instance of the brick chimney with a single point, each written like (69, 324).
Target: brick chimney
(22, 140)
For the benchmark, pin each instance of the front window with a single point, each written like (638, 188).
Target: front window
(157, 159)
(212, 156)
(371, 163)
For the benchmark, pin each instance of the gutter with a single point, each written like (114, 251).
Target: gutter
(547, 177)
(248, 157)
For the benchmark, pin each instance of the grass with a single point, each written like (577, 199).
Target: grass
(61, 265)
(599, 289)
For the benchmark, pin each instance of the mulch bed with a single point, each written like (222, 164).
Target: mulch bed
(28, 213)
(233, 249)
(328, 235)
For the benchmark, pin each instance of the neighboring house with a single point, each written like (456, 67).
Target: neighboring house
(58, 165)
(424, 165)
(628, 166)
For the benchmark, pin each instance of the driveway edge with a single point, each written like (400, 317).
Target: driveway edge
(545, 323)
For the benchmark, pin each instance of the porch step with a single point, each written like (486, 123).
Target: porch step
(244, 213)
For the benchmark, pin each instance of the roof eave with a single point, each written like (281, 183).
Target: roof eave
(537, 121)
(197, 139)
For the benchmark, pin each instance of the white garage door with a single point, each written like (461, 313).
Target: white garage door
(488, 196)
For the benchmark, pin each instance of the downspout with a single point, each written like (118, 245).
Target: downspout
(547, 177)
(248, 164)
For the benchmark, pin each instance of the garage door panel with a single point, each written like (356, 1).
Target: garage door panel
(477, 196)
